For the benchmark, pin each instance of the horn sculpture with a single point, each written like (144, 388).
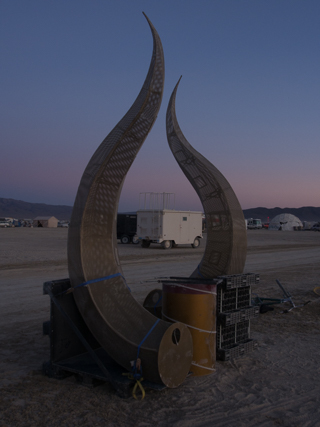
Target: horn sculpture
(121, 325)
(226, 247)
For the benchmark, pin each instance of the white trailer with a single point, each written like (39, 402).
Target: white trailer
(253, 224)
(169, 227)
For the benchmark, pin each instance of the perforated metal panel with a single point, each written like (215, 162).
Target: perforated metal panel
(114, 317)
(226, 246)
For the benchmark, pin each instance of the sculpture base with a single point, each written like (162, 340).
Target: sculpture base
(74, 350)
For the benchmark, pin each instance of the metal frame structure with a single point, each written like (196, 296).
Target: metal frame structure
(260, 301)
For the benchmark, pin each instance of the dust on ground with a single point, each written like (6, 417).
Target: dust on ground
(276, 385)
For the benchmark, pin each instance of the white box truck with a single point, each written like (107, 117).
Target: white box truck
(169, 227)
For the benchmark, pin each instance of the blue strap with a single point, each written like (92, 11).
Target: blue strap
(199, 271)
(111, 276)
(137, 372)
(98, 280)
(154, 307)
(148, 333)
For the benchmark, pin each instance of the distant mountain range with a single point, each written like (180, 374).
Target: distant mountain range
(10, 208)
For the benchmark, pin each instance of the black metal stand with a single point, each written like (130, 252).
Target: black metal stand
(74, 350)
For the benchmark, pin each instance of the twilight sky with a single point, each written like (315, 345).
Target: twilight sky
(249, 98)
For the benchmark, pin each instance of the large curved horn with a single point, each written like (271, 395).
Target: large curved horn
(226, 247)
(121, 325)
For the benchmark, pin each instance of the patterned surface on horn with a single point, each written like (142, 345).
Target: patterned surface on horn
(114, 317)
(226, 246)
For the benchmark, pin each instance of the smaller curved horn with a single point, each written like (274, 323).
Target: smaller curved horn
(226, 246)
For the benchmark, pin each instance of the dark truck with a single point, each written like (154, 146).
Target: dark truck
(127, 227)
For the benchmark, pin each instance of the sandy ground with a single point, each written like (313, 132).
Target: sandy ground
(276, 385)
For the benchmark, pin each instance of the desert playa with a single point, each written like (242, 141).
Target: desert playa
(276, 385)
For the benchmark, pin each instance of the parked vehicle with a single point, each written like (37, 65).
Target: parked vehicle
(127, 227)
(253, 224)
(4, 224)
(169, 227)
(63, 224)
(316, 227)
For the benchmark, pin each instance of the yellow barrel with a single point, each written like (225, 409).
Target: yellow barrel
(195, 306)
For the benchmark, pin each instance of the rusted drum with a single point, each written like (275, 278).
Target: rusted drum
(195, 306)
